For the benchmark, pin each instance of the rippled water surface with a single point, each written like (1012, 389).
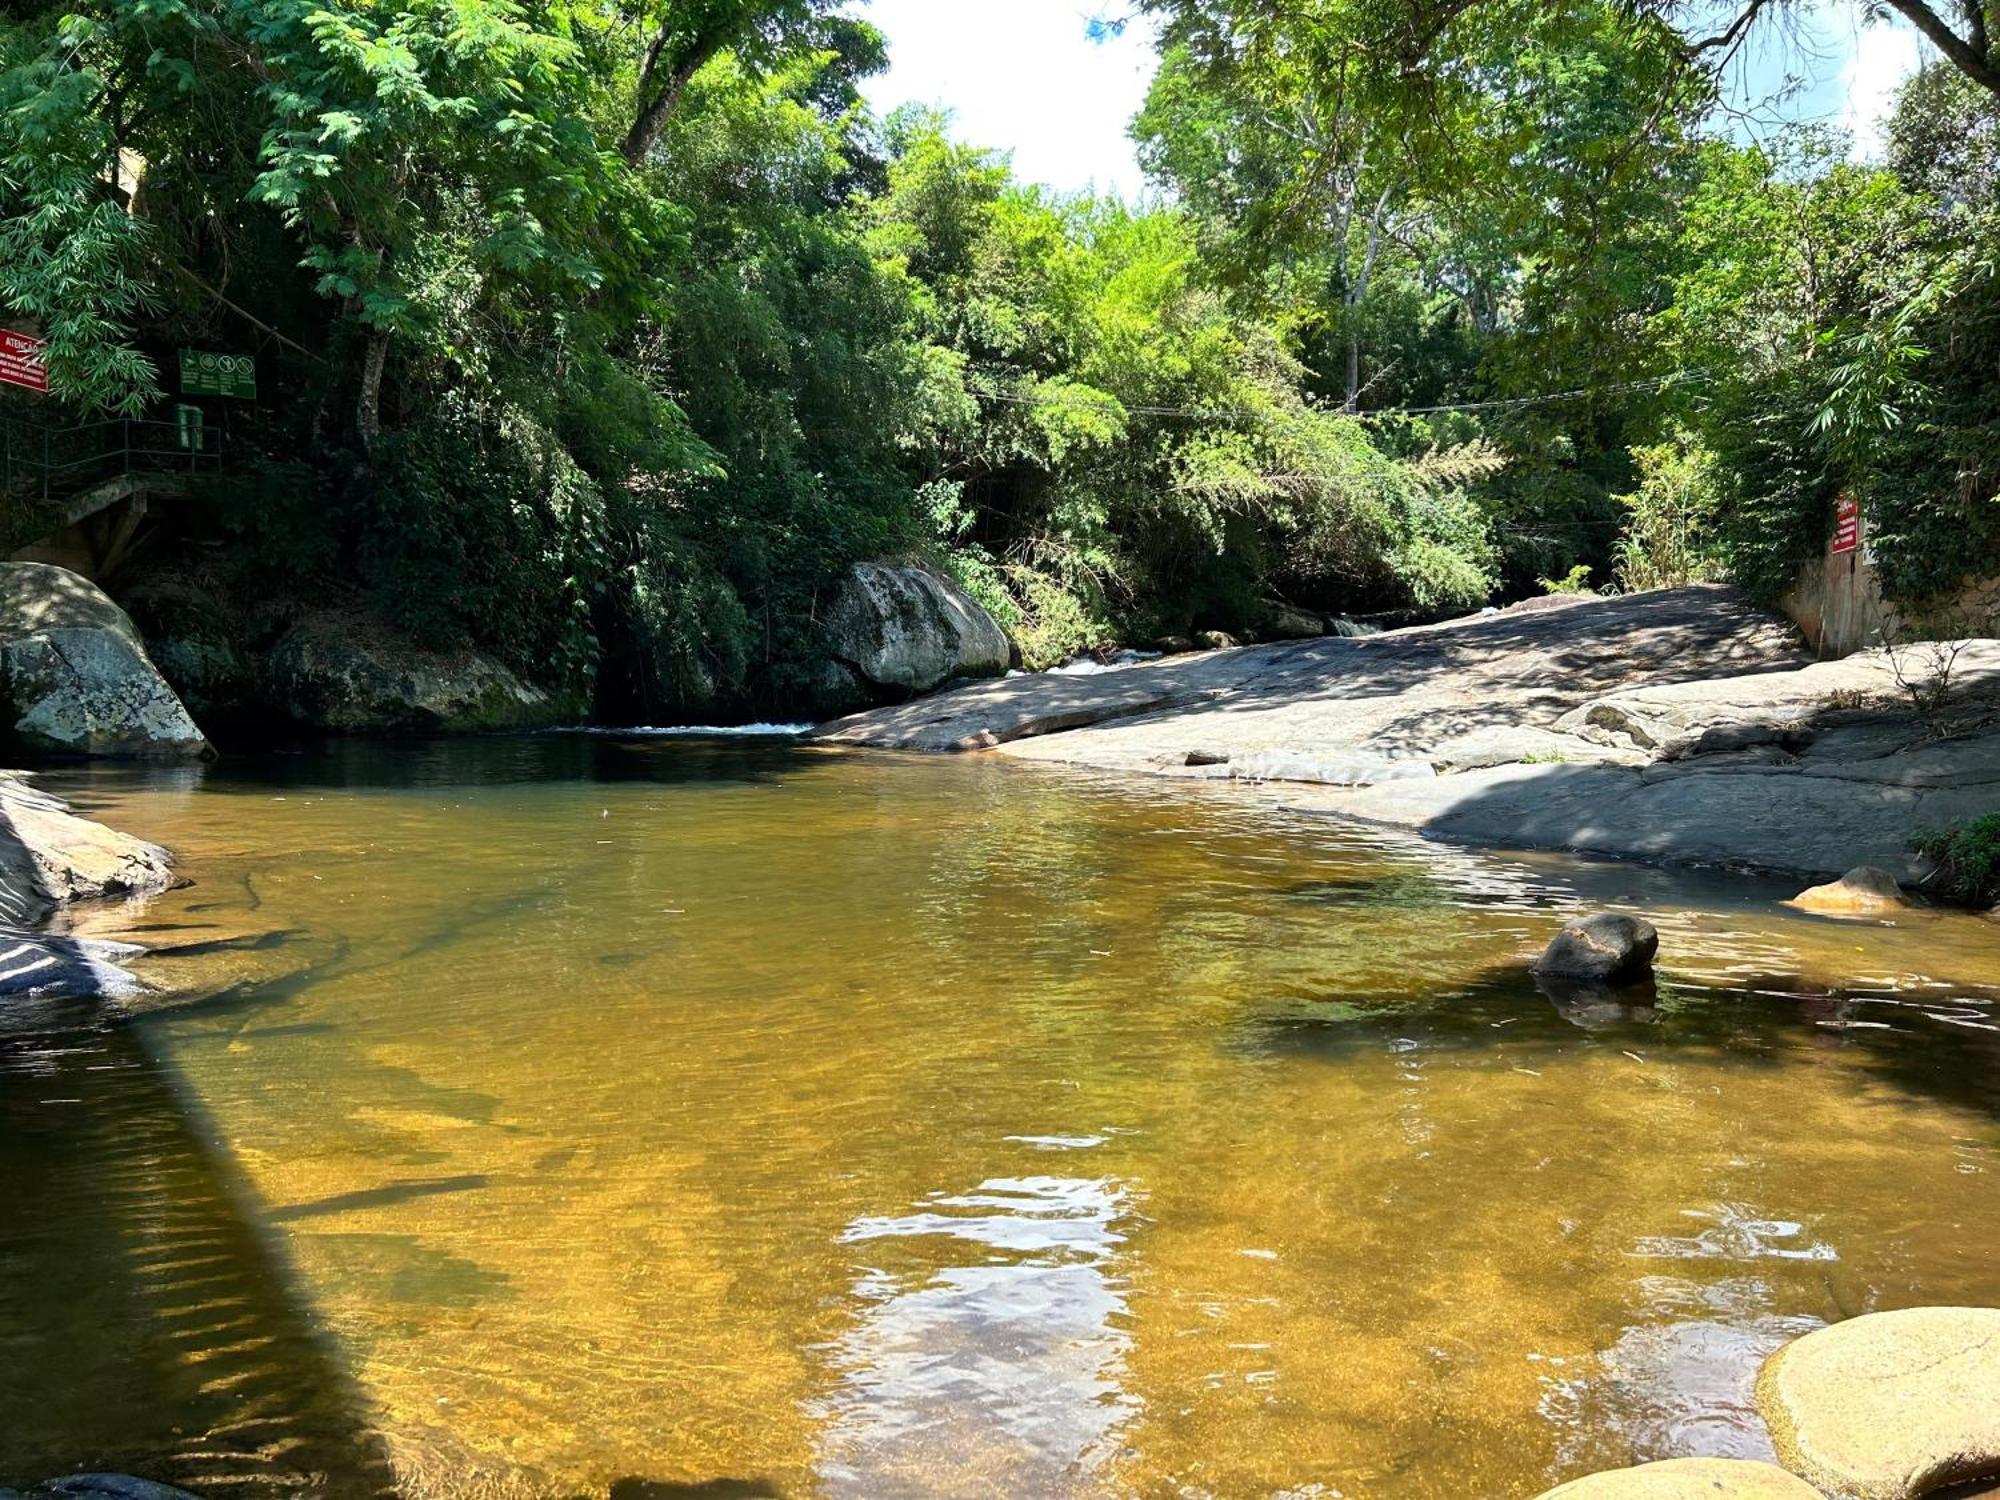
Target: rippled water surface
(643, 1118)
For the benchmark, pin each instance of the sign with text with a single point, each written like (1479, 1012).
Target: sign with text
(21, 361)
(208, 374)
(1846, 525)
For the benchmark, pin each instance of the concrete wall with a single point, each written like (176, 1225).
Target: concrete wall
(1838, 603)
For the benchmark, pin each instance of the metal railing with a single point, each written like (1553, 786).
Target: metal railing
(45, 465)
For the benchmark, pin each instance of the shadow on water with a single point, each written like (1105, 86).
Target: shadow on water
(145, 1327)
(490, 761)
(710, 1489)
(1938, 1046)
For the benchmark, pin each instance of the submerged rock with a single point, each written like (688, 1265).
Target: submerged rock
(1889, 1406)
(1863, 889)
(342, 671)
(908, 629)
(75, 679)
(100, 1487)
(1689, 1479)
(1606, 949)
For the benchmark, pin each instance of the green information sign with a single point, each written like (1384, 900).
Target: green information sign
(206, 374)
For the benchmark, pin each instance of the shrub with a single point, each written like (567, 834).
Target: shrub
(1968, 860)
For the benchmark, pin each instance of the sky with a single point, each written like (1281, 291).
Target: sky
(1024, 75)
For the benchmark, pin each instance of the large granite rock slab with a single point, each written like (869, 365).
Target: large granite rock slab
(907, 629)
(1689, 1479)
(1890, 1406)
(1679, 720)
(75, 679)
(1684, 725)
(341, 671)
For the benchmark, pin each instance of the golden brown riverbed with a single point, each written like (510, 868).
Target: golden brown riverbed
(586, 1117)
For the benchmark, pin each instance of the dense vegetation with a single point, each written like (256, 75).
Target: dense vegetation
(603, 334)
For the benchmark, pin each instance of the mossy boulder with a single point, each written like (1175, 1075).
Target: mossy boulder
(197, 641)
(342, 671)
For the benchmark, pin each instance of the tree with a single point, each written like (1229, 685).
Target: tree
(684, 36)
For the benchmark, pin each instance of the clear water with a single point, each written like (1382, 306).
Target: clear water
(578, 1116)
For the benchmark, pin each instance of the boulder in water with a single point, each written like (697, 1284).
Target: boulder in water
(342, 671)
(1606, 949)
(908, 629)
(1889, 1406)
(1863, 890)
(75, 679)
(1689, 1479)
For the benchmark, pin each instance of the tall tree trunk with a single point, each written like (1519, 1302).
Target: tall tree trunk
(1974, 57)
(368, 406)
(661, 85)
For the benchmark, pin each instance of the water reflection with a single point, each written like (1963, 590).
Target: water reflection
(1680, 1387)
(985, 1373)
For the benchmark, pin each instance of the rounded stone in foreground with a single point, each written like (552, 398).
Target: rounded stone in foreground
(1862, 890)
(1604, 949)
(1689, 1479)
(1889, 1406)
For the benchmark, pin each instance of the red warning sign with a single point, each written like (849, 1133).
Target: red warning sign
(21, 361)
(1846, 525)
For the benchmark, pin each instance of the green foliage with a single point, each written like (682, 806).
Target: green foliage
(1670, 539)
(605, 336)
(1575, 581)
(1968, 860)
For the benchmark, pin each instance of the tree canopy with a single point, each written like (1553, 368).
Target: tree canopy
(604, 336)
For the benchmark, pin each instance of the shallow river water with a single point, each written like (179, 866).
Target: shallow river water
(587, 1116)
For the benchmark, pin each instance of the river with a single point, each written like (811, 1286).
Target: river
(645, 1117)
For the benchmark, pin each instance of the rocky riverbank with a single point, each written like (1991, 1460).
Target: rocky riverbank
(1682, 725)
(50, 857)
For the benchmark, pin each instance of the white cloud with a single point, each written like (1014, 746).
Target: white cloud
(1024, 76)
(1879, 59)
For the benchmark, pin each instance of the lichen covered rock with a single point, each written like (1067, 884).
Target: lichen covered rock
(907, 629)
(75, 679)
